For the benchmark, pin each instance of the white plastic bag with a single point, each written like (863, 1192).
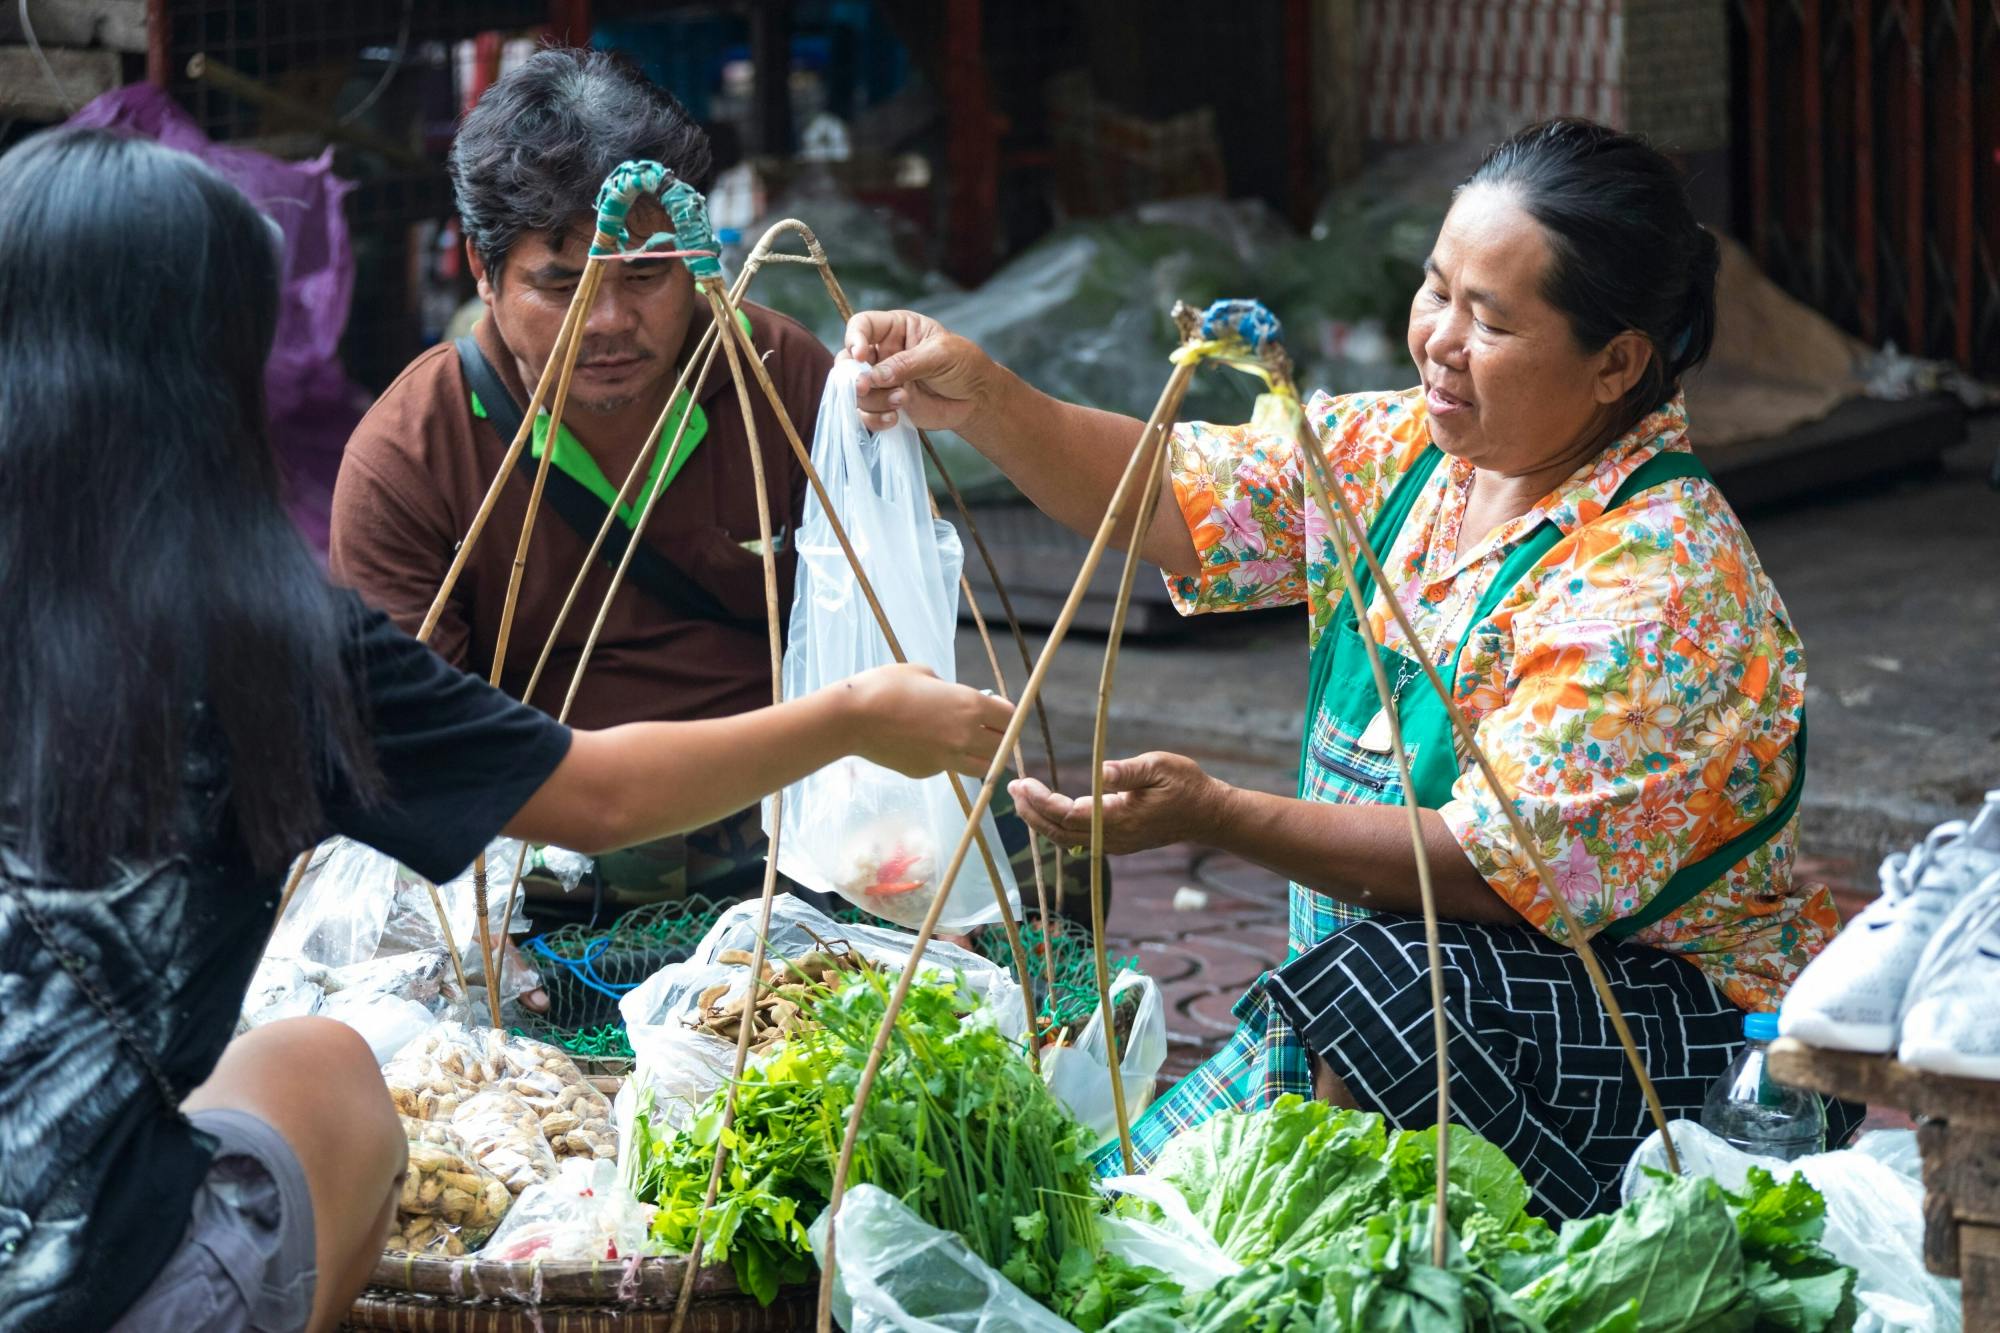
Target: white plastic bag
(898, 1273)
(1874, 1217)
(281, 988)
(878, 839)
(1078, 1076)
(583, 1213)
(1177, 1244)
(387, 1023)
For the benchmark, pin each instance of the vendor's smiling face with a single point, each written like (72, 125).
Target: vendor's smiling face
(633, 336)
(1508, 387)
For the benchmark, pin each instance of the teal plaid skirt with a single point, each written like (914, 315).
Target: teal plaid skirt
(1264, 1058)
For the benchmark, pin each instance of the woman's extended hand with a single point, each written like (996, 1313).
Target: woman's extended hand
(919, 368)
(907, 719)
(1149, 801)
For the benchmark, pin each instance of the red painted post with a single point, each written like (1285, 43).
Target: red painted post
(1914, 147)
(1756, 23)
(1815, 125)
(159, 42)
(972, 152)
(1297, 47)
(1964, 165)
(569, 22)
(1866, 269)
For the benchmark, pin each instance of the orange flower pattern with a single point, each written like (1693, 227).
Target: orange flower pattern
(1638, 692)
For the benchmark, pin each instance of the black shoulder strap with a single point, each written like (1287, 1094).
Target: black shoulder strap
(574, 503)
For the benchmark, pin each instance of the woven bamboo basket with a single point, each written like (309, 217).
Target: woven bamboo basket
(470, 1295)
(423, 1294)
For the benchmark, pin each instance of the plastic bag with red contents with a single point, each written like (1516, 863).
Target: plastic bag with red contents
(871, 835)
(583, 1213)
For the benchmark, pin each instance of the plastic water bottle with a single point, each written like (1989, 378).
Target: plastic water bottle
(1754, 1112)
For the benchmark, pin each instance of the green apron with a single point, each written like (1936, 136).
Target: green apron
(1264, 1058)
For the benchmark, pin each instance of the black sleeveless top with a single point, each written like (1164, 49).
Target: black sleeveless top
(98, 1168)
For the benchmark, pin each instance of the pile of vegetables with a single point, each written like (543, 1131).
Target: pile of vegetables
(1330, 1214)
(777, 1006)
(958, 1126)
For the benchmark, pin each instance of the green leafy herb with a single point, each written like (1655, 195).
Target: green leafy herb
(958, 1126)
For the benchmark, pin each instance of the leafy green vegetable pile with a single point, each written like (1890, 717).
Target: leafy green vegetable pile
(1330, 1213)
(958, 1126)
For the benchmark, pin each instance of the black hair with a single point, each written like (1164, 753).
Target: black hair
(1627, 251)
(531, 156)
(158, 603)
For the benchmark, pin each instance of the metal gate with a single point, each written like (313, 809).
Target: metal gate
(1867, 164)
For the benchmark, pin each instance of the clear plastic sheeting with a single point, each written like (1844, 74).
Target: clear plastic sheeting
(362, 924)
(1079, 1074)
(898, 1274)
(1874, 1216)
(867, 833)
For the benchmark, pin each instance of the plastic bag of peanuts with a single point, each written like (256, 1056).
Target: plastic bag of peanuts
(437, 1074)
(450, 1204)
(505, 1136)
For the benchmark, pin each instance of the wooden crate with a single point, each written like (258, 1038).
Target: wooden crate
(1958, 1132)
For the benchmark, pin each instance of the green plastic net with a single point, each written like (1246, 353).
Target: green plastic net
(586, 970)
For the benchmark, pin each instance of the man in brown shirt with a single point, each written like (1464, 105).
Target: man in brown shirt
(526, 167)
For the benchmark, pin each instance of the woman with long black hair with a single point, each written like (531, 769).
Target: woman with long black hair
(187, 705)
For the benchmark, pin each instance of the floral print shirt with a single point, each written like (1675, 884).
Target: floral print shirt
(1637, 692)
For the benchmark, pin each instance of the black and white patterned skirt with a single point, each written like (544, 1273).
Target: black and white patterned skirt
(1535, 1064)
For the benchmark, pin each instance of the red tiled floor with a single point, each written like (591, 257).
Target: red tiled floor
(1203, 956)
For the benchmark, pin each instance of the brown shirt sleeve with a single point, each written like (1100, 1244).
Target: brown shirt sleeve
(393, 530)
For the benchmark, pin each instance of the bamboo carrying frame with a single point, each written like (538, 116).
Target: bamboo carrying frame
(1239, 335)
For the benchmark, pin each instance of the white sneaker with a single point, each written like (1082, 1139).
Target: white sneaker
(1951, 1016)
(1850, 998)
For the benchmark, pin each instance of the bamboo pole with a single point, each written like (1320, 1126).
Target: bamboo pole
(733, 333)
(450, 944)
(1152, 478)
(1317, 473)
(566, 352)
(704, 352)
(1426, 893)
(1176, 386)
(292, 883)
(685, 1297)
(571, 319)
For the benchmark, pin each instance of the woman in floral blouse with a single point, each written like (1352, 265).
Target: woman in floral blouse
(1594, 606)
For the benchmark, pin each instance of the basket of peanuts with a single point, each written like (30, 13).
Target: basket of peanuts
(490, 1116)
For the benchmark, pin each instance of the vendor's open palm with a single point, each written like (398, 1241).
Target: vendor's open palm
(933, 378)
(1149, 801)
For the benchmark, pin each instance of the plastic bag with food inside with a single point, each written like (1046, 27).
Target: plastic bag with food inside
(871, 835)
(449, 1204)
(678, 993)
(583, 1213)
